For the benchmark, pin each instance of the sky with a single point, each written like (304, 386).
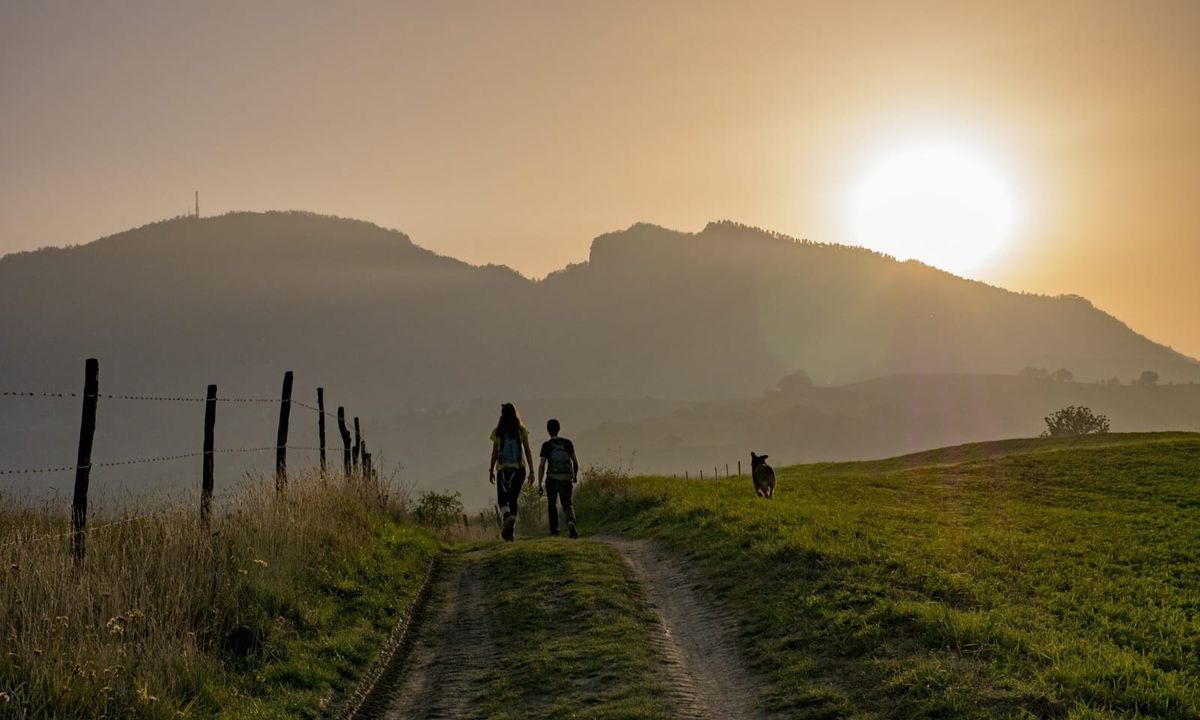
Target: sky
(514, 132)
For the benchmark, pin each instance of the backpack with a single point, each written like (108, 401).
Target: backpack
(560, 465)
(510, 451)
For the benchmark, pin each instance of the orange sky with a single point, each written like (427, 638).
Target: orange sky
(514, 132)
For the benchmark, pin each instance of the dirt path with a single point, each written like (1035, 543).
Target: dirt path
(704, 670)
(453, 647)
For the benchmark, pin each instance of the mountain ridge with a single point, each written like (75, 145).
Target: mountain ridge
(387, 326)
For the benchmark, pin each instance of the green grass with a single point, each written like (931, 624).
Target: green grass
(272, 613)
(333, 620)
(1054, 578)
(570, 634)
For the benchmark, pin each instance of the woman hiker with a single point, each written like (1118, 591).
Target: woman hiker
(512, 457)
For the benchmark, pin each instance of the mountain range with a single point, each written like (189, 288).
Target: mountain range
(654, 319)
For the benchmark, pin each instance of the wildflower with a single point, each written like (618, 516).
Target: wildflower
(5, 697)
(115, 628)
(261, 562)
(135, 614)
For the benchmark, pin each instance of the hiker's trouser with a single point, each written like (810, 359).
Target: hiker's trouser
(508, 488)
(559, 490)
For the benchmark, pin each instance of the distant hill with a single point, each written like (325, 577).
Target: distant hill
(878, 418)
(394, 330)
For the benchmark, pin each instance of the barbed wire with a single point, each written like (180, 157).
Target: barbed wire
(160, 458)
(130, 396)
(160, 398)
(97, 528)
(33, 471)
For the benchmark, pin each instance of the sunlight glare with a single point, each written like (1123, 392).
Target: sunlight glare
(940, 203)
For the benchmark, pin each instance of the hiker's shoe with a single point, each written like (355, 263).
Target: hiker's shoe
(573, 532)
(553, 533)
(507, 532)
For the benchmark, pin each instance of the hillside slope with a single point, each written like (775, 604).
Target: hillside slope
(877, 418)
(1040, 578)
(653, 311)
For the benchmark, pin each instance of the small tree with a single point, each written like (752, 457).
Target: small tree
(1075, 421)
(1062, 375)
(1148, 378)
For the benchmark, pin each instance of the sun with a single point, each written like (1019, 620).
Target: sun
(942, 203)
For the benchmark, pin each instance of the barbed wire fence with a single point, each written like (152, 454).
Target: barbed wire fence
(357, 461)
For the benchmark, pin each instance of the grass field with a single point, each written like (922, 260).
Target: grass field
(1055, 578)
(273, 613)
(570, 635)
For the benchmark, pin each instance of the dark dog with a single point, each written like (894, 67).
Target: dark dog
(763, 476)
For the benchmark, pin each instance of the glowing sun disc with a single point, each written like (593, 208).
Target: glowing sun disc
(942, 204)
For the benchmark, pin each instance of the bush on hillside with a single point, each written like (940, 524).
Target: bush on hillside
(439, 510)
(1148, 378)
(1062, 375)
(795, 383)
(1074, 421)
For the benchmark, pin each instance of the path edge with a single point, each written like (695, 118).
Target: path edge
(363, 702)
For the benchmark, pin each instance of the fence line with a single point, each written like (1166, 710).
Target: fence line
(162, 458)
(151, 398)
(358, 461)
(101, 526)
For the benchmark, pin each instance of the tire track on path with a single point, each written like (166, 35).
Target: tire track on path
(705, 673)
(453, 649)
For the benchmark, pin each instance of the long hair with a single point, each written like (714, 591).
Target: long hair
(510, 423)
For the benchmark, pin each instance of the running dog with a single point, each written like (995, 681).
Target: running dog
(763, 476)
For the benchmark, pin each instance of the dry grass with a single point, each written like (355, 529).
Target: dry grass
(167, 617)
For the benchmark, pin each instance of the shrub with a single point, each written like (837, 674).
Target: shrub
(1148, 378)
(1074, 421)
(439, 510)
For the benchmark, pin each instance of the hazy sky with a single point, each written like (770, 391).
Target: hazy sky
(514, 132)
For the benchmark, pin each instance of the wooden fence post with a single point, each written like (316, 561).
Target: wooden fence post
(726, 469)
(285, 412)
(206, 481)
(345, 440)
(701, 474)
(321, 426)
(83, 462)
(739, 468)
(686, 476)
(357, 444)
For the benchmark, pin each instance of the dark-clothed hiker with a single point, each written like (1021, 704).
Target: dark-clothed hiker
(560, 470)
(511, 456)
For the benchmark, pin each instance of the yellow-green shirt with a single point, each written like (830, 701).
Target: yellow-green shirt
(524, 440)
